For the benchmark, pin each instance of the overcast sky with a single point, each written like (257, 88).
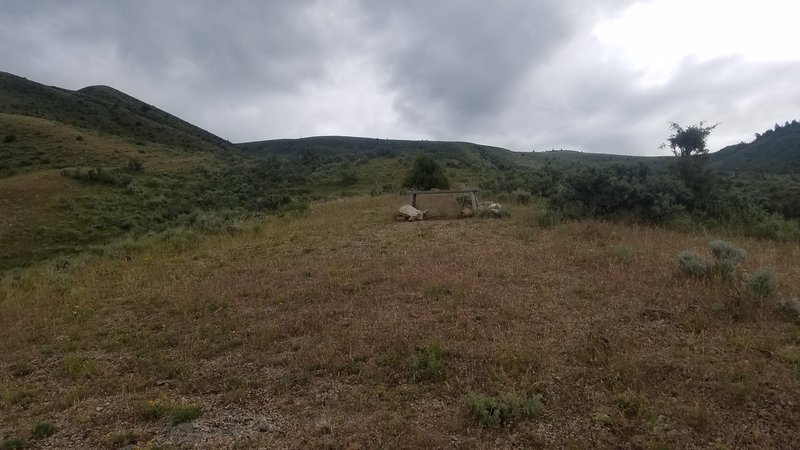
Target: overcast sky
(597, 76)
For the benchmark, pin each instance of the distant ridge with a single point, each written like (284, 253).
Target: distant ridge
(774, 151)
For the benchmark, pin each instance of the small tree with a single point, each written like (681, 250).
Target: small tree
(426, 174)
(689, 141)
(689, 146)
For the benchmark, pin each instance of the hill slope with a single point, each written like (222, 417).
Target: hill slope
(774, 151)
(105, 110)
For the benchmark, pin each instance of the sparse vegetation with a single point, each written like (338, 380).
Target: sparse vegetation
(427, 364)
(14, 443)
(504, 409)
(762, 283)
(184, 413)
(43, 430)
(120, 439)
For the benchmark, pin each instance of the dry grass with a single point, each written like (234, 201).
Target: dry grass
(300, 335)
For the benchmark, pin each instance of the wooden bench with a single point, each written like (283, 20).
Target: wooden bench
(472, 192)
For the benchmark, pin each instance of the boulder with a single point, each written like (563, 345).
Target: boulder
(409, 212)
(467, 212)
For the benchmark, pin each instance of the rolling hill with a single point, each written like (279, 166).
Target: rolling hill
(774, 151)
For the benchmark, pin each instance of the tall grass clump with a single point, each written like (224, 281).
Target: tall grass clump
(727, 257)
(762, 283)
(503, 410)
(427, 364)
(693, 264)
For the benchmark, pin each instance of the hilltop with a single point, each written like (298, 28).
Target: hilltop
(774, 151)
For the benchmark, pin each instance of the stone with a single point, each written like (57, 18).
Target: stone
(467, 212)
(409, 211)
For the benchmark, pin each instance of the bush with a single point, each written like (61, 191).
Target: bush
(154, 410)
(427, 364)
(521, 197)
(134, 165)
(184, 413)
(503, 410)
(10, 137)
(426, 174)
(762, 283)
(693, 264)
(14, 443)
(43, 429)
(727, 256)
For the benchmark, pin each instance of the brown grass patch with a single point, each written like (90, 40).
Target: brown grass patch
(308, 327)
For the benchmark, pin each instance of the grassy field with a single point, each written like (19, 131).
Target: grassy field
(338, 327)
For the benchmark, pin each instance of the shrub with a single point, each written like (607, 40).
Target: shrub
(14, 443)
(184, 413)
(692, 264)
(43, 429)
(154, 410)
(427, 364)
(546, 218)
(790, 306)
(727, 256)
(503, 410)
(10, 137)
(120, 440)
(134, 165)
(762, 282)
(426, 174)
(521, 197)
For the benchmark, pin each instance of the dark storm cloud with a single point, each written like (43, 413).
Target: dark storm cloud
(518, 73)
(455, 63)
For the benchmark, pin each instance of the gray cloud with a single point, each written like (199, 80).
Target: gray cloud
(517, 73)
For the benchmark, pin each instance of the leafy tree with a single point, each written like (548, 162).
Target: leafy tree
(689, 141)
(426, 174)
(688, 144)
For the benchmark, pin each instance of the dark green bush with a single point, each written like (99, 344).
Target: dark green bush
(426, 174)
(43, 429)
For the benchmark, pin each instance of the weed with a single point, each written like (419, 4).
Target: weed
(79, 367)
(692, 264)
(184, 413)
(14, 443)
(19, 396)
(43, 429)
(503, 410)
(120, 439)
(762, 282)
(791, 307)
(546, 218)
(521, 197)
(621, 253)
(630, 403)
(154, 410)
(436, 291)
(727, 257)
(427, 364)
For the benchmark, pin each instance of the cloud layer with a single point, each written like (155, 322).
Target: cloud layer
(517, 73)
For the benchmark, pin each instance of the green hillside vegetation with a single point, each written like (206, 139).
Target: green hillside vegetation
(775, 151)
(105, 110)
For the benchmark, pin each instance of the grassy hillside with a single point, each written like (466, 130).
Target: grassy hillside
(338, 327)
(775, 151)
(104, 110)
